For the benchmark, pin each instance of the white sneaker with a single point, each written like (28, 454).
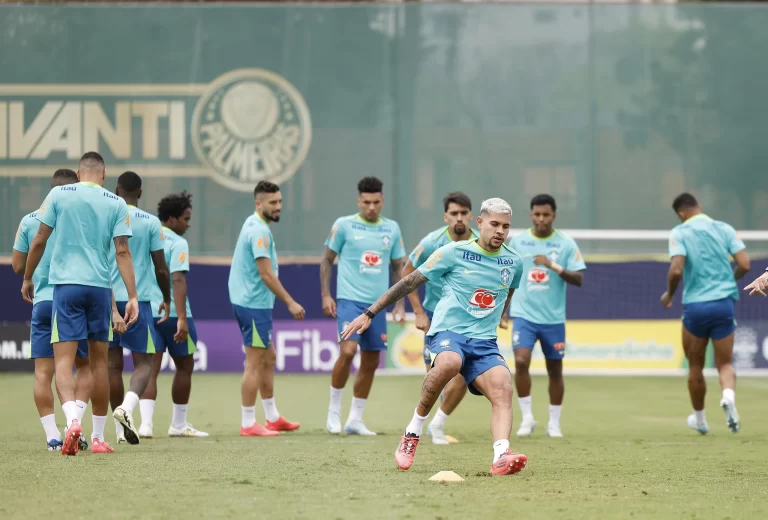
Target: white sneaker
(357, 428)
(145, 431)
(731, 415)
(186, 431)
(437, 433)
(334, 422)
(702, 428)
(553, 430)
(527, 427)
(125, 418)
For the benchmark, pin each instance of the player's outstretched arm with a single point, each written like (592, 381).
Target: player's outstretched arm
(36, 251)
(759, 285)
(273, 283)
(405, 286)
(742, 264)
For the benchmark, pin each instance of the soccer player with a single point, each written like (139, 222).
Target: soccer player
(458, 216)
(552, 261)
(366, 244)
(478, 276)
(87, 218)
(42, 348)
(177, 334)
(700, 249)
(253, 285)
(146, 247)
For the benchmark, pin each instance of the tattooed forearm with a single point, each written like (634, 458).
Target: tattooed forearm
(408, 284)
(326, 267)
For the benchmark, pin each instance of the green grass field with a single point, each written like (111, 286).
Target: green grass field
(627, 454)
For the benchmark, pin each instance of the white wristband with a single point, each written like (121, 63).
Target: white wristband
(557, 268)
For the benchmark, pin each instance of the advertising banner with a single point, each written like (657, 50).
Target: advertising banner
(311, 347)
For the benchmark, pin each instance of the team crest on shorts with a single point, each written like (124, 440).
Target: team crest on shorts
(445, 343)
(504, 276)
(515, 337)
(251, 125)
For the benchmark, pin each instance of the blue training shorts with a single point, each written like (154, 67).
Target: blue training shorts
(715, 319)
(164, 336)
(477, 355)
(81, 312)
(40, 339)
(551, 337)
(140, 337)
(255, 326)
(373, 339)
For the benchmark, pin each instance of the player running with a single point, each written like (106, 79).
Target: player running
(253, 285)
(478, 277)
(146, 248)
(551, 261)
(177, 334)
(700, 249)
(41, 346)
(366, 244)
(87, 218)
(458, 216)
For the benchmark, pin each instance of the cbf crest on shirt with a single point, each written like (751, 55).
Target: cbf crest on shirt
(476, 285)
(365, 250)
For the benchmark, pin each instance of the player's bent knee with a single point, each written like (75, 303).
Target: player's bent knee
(448, 362)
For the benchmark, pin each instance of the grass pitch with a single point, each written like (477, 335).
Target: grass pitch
(627, 454)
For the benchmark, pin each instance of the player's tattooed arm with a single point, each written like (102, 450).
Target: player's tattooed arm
(405, 286)
(326, 267)
(125, 265)
(674, 277)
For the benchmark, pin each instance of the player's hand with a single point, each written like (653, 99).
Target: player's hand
(359, 325)
(182, 331)
(398, 313)
(165, 311)
(131, 312)
(542, 260)
(296, 310)
(118, 324)
(28, 291)
(504, 322)
(666, 300)
(329, 307)
(758, 286)
(422, 322)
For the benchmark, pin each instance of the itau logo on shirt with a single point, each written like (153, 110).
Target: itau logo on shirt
(538, 279)
(482, 302)
(371, 262)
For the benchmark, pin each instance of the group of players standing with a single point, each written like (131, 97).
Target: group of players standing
(471, 278)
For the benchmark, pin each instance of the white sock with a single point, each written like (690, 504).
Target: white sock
(356, 411)
(147, 409)
(119, 430)
(525, 407)
(729, 395)
(500, 448)
(248, 416)
(700, 417)
(179, 419)
(81, 406)
(416, 424)
(98, 427)
(270, 409)
(440, 417)
(554, 414)
(130, 401)
(335, 405)
(70, 412)
(51, 430)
